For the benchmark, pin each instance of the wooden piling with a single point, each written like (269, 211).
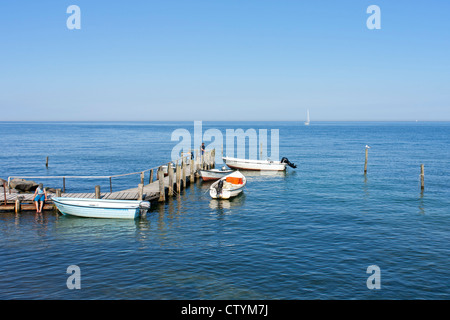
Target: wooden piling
(183, 163)
(46, 163)
(57, 194)
(192, 176)
(150, 180)
(365, 163)
(4, 191)
(422, 177)
(110, 184)
(97, 192)
(64, 185)
(18, 205)
(170, 173)
(140, 191)
(162, 192)
(142, 177)
(213, 158)
(178, 178)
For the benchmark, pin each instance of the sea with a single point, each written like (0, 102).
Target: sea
(324, 230)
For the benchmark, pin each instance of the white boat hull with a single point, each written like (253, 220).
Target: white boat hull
(245, 164)
(226, 194)
(214, 174)
(97, 208)
(230, 191)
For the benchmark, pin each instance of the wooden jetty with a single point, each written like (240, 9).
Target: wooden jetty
(159, 188)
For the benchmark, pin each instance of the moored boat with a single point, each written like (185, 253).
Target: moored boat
(101, 208)
(247, 164)
(214, 174)
(228, 186)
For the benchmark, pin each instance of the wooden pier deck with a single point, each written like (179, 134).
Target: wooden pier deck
(156, 190)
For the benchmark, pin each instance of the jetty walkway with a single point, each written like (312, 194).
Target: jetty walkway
(164, 181)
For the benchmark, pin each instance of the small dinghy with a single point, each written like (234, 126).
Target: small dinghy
(214, 174)
(101, 208)
(228, 186)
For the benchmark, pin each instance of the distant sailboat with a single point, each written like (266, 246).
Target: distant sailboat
(307, 118)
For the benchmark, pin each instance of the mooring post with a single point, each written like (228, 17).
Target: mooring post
(57, 194)
(17, 209)
(162, 192)
(213, 165)
(4, 191)
(46, 162)
(150, 180)
(183, 163)
(97, 192)
(365, 163)
(140, 191)
(64, 184)
(178, 178)
(192, 175)
(170, 172)
(422, 177)
(110, 184)
(142, 177)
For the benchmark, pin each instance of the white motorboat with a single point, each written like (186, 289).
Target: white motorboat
(247, 164)
(101, 208)
(228, 186)
(214, 174)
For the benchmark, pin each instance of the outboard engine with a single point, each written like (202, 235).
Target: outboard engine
(219, 187)
(290, 164)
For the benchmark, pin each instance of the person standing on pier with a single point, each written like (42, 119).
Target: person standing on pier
(40, 196)
(202, 148)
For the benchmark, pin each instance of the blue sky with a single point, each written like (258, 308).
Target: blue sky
(224, 60)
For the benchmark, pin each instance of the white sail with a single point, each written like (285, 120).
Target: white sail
(307, 118)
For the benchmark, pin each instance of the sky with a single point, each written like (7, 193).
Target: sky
(224, 60)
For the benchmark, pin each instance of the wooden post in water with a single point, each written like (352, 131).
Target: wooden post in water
(110, 184)
(170, 172)
(365, 163)
(140, 191)
(142, 177)
(57, 194)
(183, 163)
(97, 192)
(192, 176)
(150, 180)
(18, 206)
(46, 163)
(162, 191)
(213, 158)
(178, 178)
(4, 191)
(64, 185)
(422, 177)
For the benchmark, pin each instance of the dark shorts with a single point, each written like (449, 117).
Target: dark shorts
(40, 197)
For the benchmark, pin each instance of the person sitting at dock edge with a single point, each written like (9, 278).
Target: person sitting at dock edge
(40, 195)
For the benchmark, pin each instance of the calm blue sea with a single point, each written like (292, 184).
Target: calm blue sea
(308, 234)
